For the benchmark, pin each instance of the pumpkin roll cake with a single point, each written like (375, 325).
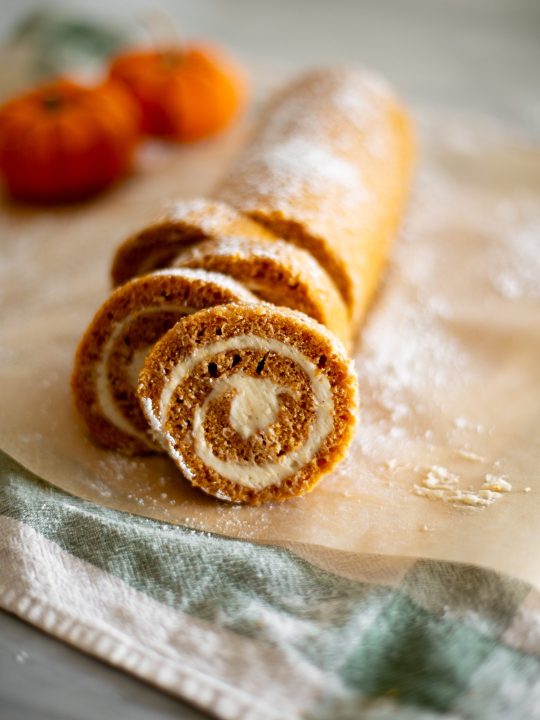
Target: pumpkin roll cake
(277, 272)
(113, 348)
(253, 402)
(181, 225)
(328, 168)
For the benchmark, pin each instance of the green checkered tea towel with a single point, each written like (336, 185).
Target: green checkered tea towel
(250, 631)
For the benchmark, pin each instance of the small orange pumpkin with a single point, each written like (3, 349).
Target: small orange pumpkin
(64, 141)
(183, 93)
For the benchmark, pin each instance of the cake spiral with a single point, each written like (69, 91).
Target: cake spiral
(182, 224)
(113, 348)
(253, 402)
(277, 272)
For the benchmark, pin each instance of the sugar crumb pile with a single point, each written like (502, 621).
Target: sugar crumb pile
(441, 484)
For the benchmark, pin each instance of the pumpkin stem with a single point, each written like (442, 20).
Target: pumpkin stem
(52, 101)
(170, 60)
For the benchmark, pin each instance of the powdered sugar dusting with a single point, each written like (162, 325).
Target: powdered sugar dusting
(364, 110)
(179, 458)
(516, 257)
(288, 171)
(210, 276)
(301, 151)
(303, 164)
(414, 352)
(278, 251)
(210, 216)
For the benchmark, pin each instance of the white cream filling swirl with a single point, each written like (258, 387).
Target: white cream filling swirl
(107, 402)
(252, 410)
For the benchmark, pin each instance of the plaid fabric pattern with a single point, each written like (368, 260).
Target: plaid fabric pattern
(251, 631)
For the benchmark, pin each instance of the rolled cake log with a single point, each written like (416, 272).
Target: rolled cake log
(254, 402)
(113, 348)
(328, 168)
(183, 224)
(277, 272)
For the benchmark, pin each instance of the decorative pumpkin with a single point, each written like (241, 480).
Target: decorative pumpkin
(183, 93)
(64, 141)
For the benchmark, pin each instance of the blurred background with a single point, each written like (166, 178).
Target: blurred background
(479, 55)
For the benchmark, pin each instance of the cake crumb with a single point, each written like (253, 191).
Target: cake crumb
(527, 489)
(442, 484)
(497, 483)
(469, 455)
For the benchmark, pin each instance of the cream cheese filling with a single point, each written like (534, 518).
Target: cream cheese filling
(136, 365)
(105, 397)
(254, 414)
(254, 407)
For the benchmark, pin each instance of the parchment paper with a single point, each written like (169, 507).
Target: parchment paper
(449, 362)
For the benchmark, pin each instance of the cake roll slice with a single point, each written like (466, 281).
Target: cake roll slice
(328, 168)
(112, 350)
(254, 403)
(277, 272)
(182, 224)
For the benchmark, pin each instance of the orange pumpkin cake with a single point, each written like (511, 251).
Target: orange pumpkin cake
(182, 224)
(277, 272)
(253, 402)
(328, 168)
(117, 340)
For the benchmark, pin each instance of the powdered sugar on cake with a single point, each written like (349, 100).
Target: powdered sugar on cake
(298, 154)
(286, 171)
(210, 216)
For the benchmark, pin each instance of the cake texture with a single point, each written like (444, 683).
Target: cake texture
(181, 225)
(113, 348)
(253, 402)
(328, 168)
(277, 272)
